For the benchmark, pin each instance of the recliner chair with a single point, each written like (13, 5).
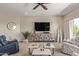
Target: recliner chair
(9, 47)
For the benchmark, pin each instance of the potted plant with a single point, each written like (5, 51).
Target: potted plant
(26, 34)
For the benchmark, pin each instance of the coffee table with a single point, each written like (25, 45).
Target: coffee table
(32, 46)
(39, 52)
(51, 47)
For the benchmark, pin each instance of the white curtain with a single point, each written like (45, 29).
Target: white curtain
(59, 35)
(71, 23)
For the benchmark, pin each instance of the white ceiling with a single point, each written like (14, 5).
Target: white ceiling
(26, 9)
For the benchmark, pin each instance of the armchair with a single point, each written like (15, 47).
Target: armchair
(70, 49)
(9, 47)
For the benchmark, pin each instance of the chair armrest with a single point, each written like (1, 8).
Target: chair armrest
(12, 41)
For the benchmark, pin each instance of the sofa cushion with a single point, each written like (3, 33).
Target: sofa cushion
(3, 40)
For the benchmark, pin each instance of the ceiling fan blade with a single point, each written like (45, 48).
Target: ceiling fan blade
(44, 7)
(35, 7)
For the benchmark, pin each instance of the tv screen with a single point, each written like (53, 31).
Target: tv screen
(42, 26)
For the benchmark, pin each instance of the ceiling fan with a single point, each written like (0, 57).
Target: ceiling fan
(42, 5)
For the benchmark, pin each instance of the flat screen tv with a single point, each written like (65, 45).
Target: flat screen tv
(42, 26)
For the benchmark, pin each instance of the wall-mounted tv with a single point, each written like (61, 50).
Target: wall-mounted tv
(42, 26)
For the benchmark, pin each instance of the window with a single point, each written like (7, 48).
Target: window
(74, 28)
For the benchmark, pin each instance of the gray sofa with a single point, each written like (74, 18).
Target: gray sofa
(40, 37)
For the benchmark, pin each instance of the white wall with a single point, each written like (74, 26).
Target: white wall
(74, 14)
(4, 20)
(27, 23)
